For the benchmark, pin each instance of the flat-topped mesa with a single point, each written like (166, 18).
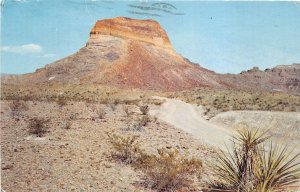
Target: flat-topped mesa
(148, 31)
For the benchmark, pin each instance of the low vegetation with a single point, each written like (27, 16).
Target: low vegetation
(127, 112)
(216, 101)
(63, 93)
(144, 109)
(112, 106)
(68, 125)
(100, 112)
(17, 107)
(61, 101)
(141, 122)
(38, 126)
(169, 170)
(166, 171)
(256, 167)
(126, 148)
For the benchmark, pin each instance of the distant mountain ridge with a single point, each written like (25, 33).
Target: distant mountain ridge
(133, 53)
(284, 78)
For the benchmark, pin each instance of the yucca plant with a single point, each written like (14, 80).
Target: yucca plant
(276, 169)
(252, 167)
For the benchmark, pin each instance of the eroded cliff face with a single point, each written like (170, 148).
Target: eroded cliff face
(148, 31)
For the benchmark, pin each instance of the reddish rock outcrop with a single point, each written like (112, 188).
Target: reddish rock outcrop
(148, 31)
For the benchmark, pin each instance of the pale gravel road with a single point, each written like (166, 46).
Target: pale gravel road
(189, 118)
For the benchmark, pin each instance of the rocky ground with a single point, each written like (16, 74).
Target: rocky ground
(75, 152)
(74, 155)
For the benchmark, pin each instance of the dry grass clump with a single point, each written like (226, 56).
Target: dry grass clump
(126, 110)
(144, 109)
(142, 122)
(17, 107)
(112, 106)
(157, 102)
(68, 125)
(138, 124)
(38, 126)
(127, 148)
(168, 171)
(100, 112)
(61, 101)
(252, 166)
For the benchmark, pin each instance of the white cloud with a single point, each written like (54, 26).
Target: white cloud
(28, 48)
(48, 55)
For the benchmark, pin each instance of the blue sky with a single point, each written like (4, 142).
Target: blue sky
(226, 37)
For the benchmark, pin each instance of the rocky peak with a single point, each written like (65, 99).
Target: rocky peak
(148, 31)
(250, 71)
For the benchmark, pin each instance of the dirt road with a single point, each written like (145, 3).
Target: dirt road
(189, 118)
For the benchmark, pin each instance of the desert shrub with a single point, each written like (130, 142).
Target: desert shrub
(252, 166)
(17, 107)
(38, 126)
(116, 102)
(68, 125)
(73, 116)
(126, 110)
(158, 102)
(207, 111)
(141, 122)
(112, 106)
(144, 109)
(61, 101)
(131, 102)
(168, 171)
(127, 148)
(100, 113)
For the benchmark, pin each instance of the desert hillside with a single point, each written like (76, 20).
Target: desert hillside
(132, 53)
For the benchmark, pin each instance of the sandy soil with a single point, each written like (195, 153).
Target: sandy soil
(282, 126)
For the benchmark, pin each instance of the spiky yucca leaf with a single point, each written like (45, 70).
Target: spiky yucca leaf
(236, 168)
(253, 167)
(276, 169)
(249, 138)
(227, 168)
